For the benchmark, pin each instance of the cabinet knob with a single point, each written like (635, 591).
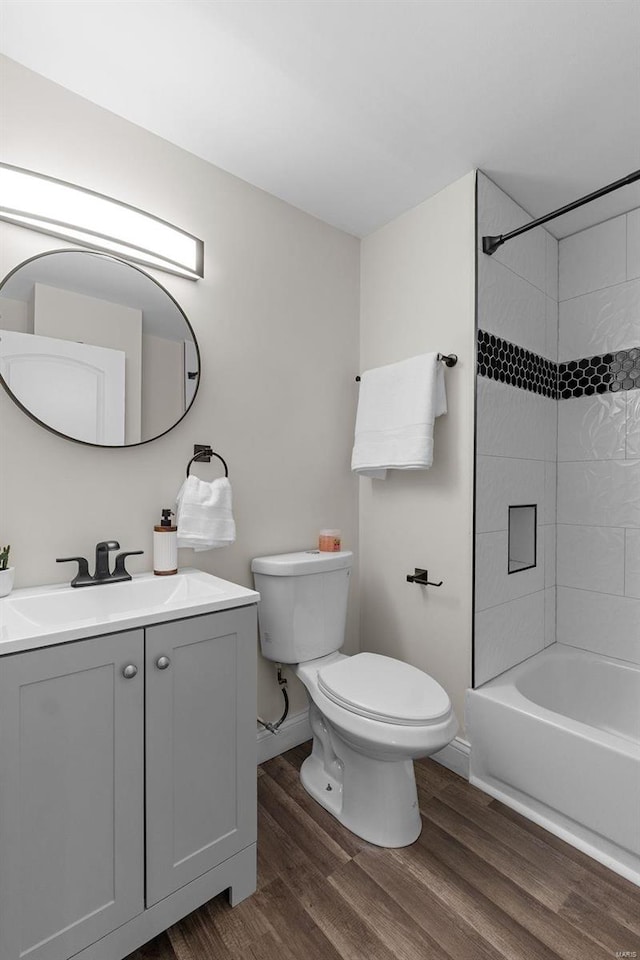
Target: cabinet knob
(162, 663)
(129, 671)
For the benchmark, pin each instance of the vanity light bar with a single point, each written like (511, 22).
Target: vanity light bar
(63, 210)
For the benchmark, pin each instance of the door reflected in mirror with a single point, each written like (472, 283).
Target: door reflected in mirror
(95, 349)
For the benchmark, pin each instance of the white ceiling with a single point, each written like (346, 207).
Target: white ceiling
(356, 110)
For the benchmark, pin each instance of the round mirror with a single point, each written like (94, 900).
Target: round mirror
(95, 349)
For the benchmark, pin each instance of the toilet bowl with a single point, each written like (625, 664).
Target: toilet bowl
(370, 715)
(361, 766)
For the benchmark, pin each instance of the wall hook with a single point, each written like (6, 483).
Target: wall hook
(422, 577)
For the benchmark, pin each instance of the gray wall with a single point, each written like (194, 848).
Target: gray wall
(417, 296)
(276, 317)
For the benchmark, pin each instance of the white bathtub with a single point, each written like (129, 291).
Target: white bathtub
(558, 739)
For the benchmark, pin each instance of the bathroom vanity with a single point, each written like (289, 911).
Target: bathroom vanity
(127, 761)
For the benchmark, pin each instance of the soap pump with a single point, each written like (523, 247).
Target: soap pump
(165, 546)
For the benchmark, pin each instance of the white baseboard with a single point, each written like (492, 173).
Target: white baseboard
(296, 729)
(455, 756)
(293, 731)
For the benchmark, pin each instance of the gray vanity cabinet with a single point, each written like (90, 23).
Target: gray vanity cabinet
(201, 746)
(92, 863)
(71, 795)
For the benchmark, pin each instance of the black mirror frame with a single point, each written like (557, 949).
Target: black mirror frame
(85, 443)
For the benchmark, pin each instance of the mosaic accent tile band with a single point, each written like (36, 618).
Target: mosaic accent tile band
(606, 373)
(500, 360)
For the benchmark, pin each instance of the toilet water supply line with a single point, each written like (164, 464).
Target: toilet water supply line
(282, 683)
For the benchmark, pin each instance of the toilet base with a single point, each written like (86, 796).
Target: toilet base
(375, 799)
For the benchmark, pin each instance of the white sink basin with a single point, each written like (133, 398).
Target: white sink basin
(41, 615)
(109, 601)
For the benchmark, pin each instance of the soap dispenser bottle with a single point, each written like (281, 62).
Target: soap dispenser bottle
(165, 546)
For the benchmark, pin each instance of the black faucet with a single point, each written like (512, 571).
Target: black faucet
(102, 573)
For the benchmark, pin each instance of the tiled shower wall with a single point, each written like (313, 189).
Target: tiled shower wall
(558, 407)
(516, 434)
(599, 442)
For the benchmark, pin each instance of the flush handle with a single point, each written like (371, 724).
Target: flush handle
(129, 671)
(162, 663)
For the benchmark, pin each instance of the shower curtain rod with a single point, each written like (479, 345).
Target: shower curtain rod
(491, 244)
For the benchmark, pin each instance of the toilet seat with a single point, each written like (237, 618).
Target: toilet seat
(384, 689)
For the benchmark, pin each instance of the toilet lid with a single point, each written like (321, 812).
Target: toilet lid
(384, 689)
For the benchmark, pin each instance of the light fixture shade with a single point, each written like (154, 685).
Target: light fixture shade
(63, 210)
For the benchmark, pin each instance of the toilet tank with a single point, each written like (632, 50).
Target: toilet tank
(303, 603)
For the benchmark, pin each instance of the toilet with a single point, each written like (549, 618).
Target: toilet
(370, 715)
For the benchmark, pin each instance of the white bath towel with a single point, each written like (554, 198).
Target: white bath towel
(397, 408)
(203, 514)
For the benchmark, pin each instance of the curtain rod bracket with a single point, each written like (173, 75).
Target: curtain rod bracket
(491, 244)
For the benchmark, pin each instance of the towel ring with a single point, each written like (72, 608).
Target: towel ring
(205, 456)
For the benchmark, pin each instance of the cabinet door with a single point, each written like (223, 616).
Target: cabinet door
(201, 745)
(71, 795)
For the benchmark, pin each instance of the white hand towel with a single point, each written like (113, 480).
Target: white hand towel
(397, 408)
(204, 516)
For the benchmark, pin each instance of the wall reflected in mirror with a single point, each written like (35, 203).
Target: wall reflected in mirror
(95, 349)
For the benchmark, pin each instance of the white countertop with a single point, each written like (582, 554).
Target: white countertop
(41, 616)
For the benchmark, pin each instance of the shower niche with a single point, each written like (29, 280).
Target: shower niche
(522, 537)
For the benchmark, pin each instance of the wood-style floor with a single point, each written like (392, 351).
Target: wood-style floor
(481, 883)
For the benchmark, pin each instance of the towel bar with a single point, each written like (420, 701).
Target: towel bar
(449, 359)
(203, 453)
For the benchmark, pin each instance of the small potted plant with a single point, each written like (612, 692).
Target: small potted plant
(6, 572)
